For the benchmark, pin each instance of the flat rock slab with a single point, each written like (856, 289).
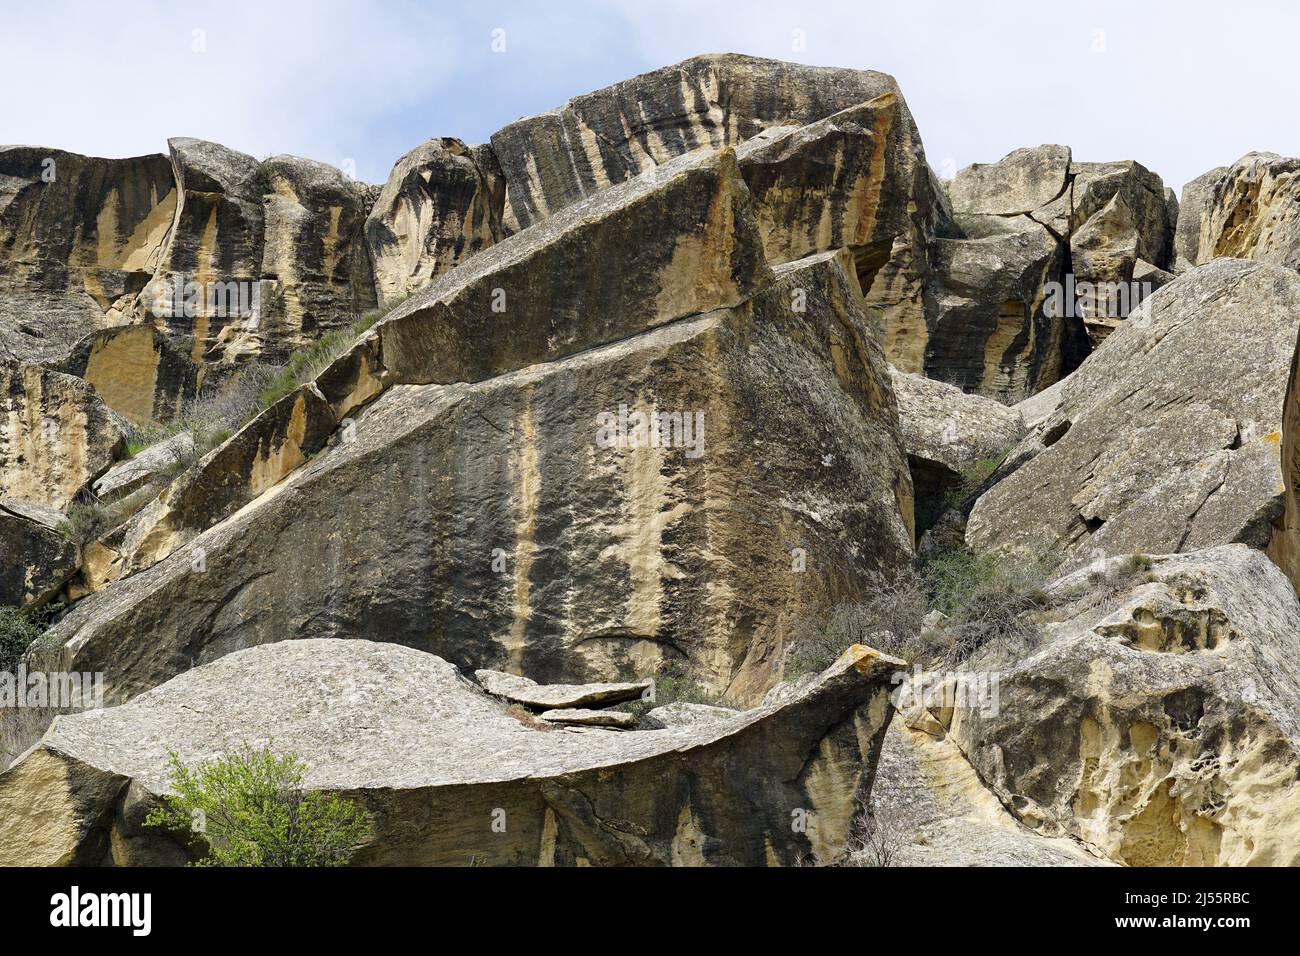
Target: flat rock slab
(521, 690)
(434, 761)
(580, 717)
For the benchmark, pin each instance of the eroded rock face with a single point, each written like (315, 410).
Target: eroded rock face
(1253, 212)
(945, 431)
(36, 559)
(1167, 438)
(1160, 725)
(521, 690)
(445, 755)
(553, 160)
(1192, 208)
(56, 434)
(79, 238)
(524, 496)
(138, 372)
(442, 204)
(1022, 181)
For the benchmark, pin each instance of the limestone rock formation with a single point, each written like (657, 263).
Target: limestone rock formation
(430, 757)
(1253, 212)
(56, 435)
(442, 204)
(603, 138)
(706, 548)
(78, 241)
(35, 556)
(1158, 725)
(1166, 439)
(138, 372)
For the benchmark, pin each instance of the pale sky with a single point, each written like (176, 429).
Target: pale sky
(1179, 86)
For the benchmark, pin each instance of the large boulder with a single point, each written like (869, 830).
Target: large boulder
(446, 776)
(603, 138)
(137, 370)
(1166, 439)
(1158, 721)
(79, 238)
(1016, 185)
(36, 558)
(442, 204)
(56, 435)
(1192, 208)
(545, 526)
(1253, 212)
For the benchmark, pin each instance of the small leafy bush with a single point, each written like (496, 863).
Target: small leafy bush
(250, 809)
(17, 632)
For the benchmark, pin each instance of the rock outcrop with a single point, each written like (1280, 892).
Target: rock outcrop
(1167, 438)
(1157, 723)
(137, 370)
(56, 435)
(79, 238)
(1252, 211)
(433, 761)
(36, 559)
(1192, 209)
(521, 690)
(442, 204)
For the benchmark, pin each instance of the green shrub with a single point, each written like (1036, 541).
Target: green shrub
(987, 603)
(17, 632)
(250, 809)
(972, 478)
(888, 619)
(90, 520)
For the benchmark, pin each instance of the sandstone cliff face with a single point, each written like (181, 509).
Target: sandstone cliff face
(78, 240)
(56, 435)
(1252, 211)
(137, 371)
(1159, 725)
(445, 757)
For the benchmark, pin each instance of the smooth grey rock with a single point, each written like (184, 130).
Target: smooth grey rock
(683, 714)
(1166, 439)
(433, 760)
(521, 690)
(581, 717)
(1020, 182)
(136, 472)
(1192, 208)
(36, 559)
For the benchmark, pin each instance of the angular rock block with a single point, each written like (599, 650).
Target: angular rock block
(1253, 212)
(536, 523)
(431, 758)
(36, 559)
(137, 371)
(1167, 439)
(56, 435)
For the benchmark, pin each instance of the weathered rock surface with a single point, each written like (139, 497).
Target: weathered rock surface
(1192, 208)
(945, 431)
(521, 690)
(1253, 212)
(78, 240)
(56, 434)
(576, 280)
(137, 371)
(442, 204)
(1167, 438)
(1018, 184)
(1160, 725)
(128, 476)
(937, 812)
(35, 557)
(535, 532)
(581, 717)
(682, 714)
(430, 757)
(603, 138)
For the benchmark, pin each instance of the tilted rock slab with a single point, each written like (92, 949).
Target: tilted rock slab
(522, 690)
(1167, 438)
(1158, 724)
(442, 204)
(35, 556)
(79, 238)
(515, 524)
(431, 758)
(603, 138)
(1192, 208)
(56, 435)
